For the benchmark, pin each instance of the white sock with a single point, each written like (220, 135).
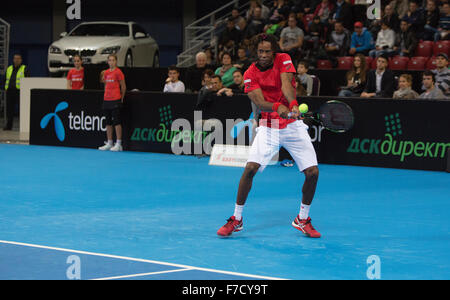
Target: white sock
(119, 142)
(238, 212)
(304, 211)
(110, 142)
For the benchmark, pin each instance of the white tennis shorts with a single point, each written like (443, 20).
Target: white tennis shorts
(294, 138)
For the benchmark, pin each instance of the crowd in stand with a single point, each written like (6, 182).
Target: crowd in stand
(314, 30)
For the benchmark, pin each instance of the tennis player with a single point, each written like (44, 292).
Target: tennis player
(270, 84)
(115, 90)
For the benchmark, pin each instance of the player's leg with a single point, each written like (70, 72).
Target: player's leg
(298, 143)
(264, 147)
(109, 130)
(117, 122)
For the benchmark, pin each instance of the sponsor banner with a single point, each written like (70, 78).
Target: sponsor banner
(411, 134)
(229, 155)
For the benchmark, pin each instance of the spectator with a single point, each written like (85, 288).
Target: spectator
(207, 79)
(256, 23)
(173, 83)
(216, 83)
(304, 78)
(291, 38)
(265, 11)
(432, 16)
(299, 87)
(405, 40)
(75, 77)
(236, 88)
(400, 7)
(210, 61)
(338, 42)
(315, 33)
(431, 90)
(391, 18)
(237, 18)
(362, 41)
(356, 78)
(415, 18)
(380, 82)
(442, 74)
(226, 70)
(324, 10)
(279, 9)
(385, 41)
(343, 13)
(404, 88)
(14, 74)
(243, 62)
(205, 93)
(444, 24)
(194, 74)
(230, 37)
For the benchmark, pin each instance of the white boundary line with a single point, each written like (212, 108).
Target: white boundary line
(142, 274)
(184, 267)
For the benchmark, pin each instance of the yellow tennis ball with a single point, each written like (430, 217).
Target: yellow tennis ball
(303, 108)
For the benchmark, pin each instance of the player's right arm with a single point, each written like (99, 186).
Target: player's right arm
(257, 97)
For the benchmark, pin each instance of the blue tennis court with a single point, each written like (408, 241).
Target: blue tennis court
(70, 213)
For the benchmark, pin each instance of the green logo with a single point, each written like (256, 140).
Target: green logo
(393, 124)
(165, 113)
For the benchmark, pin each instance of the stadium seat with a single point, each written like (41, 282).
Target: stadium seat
(368, 62)
(345, 62)
(441, 46)
(324, 64)
(431, 64)
(424, 48)
(316, 86)
(398, 62)
(373, 64)
(417, 63)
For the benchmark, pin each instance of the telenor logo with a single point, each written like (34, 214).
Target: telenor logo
(59, 127)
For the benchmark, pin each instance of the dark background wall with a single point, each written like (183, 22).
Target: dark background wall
(32, 23)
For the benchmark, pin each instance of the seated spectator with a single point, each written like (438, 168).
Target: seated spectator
(299, 87)
(391, 18)
(405, 41)
(226, 70)
(194, 74)
(380, 82)
(229, 38)
(256, 23)
(431, 90)
(325, 11)
(211, 85)
(173, 84)
(210, 61)
(265, 11)
(207, 79)
(304, 78)
(236, 88)
(400, 7)
(343, 13)
(291, 38)
(362, 41)
(338, 42)
(415, 18)
(444, 24)
(237, 18)
(243, 62)
(442, 74)
(315, 33)
(404, 88)
(385, 41)
(432, 16)
(280, 8)
(356, 78)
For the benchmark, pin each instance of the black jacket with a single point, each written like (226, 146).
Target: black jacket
(410, 40)
(387, 84)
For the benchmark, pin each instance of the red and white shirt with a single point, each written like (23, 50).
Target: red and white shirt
(269, 82)
(112, 84)
(77, 78)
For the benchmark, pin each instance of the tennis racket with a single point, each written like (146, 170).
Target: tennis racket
(335, 116)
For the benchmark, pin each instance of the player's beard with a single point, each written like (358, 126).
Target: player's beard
(264, 64)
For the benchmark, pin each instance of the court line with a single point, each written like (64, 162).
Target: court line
(141, 260)
(142, 274)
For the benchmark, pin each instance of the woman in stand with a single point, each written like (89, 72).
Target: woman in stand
(356, 78)
(226, 70)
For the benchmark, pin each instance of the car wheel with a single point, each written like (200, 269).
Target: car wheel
(156, 61)
(129, 59)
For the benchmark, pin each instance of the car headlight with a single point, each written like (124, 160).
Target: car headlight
(54, 50)
(111, 50)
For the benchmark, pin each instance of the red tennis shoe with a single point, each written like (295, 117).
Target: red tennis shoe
(306, 227)
(232, 225)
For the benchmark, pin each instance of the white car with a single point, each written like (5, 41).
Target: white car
(95, 40)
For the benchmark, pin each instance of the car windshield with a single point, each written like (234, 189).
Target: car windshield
(101, 30)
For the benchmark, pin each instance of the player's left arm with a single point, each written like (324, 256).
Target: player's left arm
(289, 92)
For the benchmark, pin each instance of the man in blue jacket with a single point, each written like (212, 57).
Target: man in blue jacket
(362, 41)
